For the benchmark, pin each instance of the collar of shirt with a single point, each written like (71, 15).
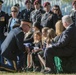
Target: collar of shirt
(37, 10)
(47, 12)
(28, 9)
(15, 19)
(69, 26)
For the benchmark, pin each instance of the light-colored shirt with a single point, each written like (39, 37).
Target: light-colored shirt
(13, 22)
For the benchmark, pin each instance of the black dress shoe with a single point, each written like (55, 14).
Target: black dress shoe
(37, 69)
(47, 72)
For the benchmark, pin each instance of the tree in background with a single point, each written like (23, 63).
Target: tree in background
(68, 1)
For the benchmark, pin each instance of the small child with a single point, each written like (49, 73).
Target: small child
(37, 47)
(50, 37)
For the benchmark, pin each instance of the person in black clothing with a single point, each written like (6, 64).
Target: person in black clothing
(37, 47)
(56, 10)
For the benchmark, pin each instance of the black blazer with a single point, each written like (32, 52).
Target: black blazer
(67, 40)
(13, 44)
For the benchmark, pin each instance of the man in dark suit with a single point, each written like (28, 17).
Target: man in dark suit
(3, 26)
(65, 47)
(25, 14)
(37, 13)
(13, 45)
(49, 18)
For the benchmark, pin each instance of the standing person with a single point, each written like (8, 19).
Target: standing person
(25, 14)
(65, 47)
(73, 11)
(56, 10)
(37, 13)
(3, 26)
(14, 18)
(49, 18)
(13, 45)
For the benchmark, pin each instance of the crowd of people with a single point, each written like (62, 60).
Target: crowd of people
(38, 39)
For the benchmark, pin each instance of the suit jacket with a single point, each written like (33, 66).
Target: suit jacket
(67, 40)
(65, 45)
(36, 15)
(13, 44)
(25, 14)
(49, 20)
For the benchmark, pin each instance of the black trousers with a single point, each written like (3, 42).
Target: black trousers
(51, 52)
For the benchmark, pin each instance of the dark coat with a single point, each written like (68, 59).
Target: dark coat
(49, 20)
(13, 44)
(65, 48)
(3, 23)
(67, 39)
(36, 16)
(25, 14)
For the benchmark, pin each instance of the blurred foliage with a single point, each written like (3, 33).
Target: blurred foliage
(68, 1)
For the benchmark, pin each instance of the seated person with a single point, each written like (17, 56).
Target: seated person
(65, 47)
(37, 47)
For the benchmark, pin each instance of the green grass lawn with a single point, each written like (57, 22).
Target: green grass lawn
(30, 73)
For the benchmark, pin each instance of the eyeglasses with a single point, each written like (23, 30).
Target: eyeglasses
(55, 9)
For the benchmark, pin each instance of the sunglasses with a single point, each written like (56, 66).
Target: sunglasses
(74, 4)
(55, 9)
(13, 11)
